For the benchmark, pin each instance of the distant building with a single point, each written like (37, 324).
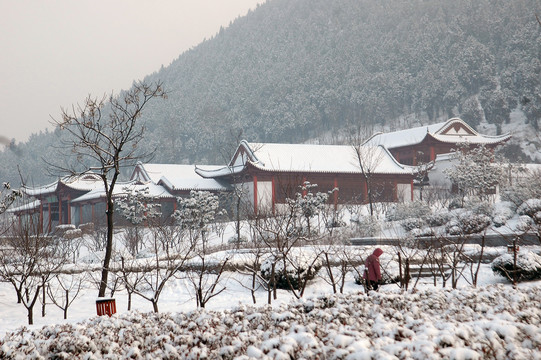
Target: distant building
(81, 199)
(424, 143)
(267, 174)
(270, 173)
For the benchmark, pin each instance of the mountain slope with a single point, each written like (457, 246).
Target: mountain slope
(294, 70)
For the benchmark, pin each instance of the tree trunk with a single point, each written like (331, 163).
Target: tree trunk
(108, 246)
(155, 305)
(67, 304)
(252, 290)
(30, 315)
(43, 300)
(329, 271)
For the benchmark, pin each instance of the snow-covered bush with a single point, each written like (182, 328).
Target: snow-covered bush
(404, 211)
(439, 218)
(412, 223)
(236, 240)
(530, 207)
(424, 231)
(60, 230)
(502, 212)
(297, 271)
(528, 266)
(366, 226)
(524, 223)
(73, 234)
(467, 222)
(479, 207)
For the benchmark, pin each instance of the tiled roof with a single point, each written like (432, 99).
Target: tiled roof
(310, 158)
(180, 177)
(416, 135)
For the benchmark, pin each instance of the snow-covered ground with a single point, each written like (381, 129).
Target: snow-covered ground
(493, 320)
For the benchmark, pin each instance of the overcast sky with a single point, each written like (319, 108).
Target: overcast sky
(55, 53)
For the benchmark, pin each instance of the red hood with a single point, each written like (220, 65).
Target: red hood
(378, 252)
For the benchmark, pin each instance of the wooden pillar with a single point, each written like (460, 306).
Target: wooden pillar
(69, 209)
(255, 194)
(432, 154)
(273, 195)
(304, 192)
(411, 184)
(41, 215)
(59, 199)
(49, 220)
(335, 193)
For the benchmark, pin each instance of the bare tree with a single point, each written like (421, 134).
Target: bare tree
(147, 277)
(288, 228)
(61, 287)
(368, 159)
(104, 137)
(28, 259)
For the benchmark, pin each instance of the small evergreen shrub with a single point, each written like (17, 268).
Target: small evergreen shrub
(528, 266)
(366, 226)
(438, 219)
(412, 223)
(295, 274)
(467, 222)
(530, 207)
(404, 211)
(501, 213)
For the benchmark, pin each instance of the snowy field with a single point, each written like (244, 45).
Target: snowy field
(493, 321)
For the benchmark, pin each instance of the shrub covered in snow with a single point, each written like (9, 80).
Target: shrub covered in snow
(424, 231)
(467, 222)
(502, 212)
(428, 324)
(406, 210)
(528, 266)
(366, 226)
(524, 223)
(297, 271)
(438, 218)
(412, 223)
(531, 208)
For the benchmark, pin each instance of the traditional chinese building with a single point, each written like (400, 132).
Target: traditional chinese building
(423, 144)
(270, 173)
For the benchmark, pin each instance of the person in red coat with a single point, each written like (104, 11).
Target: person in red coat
(372, 272)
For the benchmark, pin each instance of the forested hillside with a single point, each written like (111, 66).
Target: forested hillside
(294, 70)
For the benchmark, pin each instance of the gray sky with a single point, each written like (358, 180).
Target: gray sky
(54, 53)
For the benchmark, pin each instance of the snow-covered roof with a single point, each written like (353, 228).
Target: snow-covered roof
(177, 177)
(85, 182)
(122, 189)
(454, 130)
(34, 205)
(308, 158)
